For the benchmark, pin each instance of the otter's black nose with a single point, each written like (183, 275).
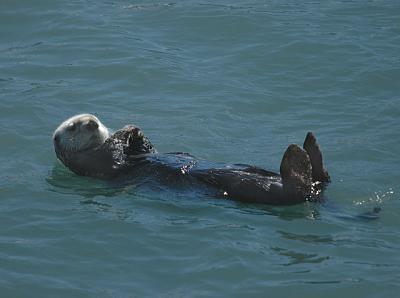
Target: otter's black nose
(56, 139)
(92, 125)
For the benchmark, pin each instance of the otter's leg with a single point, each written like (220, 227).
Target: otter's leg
(314, 152)
(296, 173)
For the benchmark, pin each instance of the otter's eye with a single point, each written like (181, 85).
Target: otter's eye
(71, 126)
(92, 125)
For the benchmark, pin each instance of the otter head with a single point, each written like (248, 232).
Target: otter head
(79, 133)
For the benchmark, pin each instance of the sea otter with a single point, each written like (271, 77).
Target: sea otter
(87, 147)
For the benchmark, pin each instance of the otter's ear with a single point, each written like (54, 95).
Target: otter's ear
(92, 125)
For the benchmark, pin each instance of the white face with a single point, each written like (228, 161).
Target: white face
(79, 133)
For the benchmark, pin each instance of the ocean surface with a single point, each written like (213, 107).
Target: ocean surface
(227, 81)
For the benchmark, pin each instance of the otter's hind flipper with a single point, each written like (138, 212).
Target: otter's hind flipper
(319, 173)
(296, 173)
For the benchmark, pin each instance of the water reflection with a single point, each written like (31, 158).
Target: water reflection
(110, 211)
(308, 238)
(287, 213)
(298, 257)
(63, 181)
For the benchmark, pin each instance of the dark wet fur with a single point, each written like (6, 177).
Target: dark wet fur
(129, 153)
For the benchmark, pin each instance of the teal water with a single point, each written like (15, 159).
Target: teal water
(230, 81)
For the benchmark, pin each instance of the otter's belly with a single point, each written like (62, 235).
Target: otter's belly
(233, 181)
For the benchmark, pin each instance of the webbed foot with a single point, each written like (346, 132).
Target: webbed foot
(319, 173)
(296, 172)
